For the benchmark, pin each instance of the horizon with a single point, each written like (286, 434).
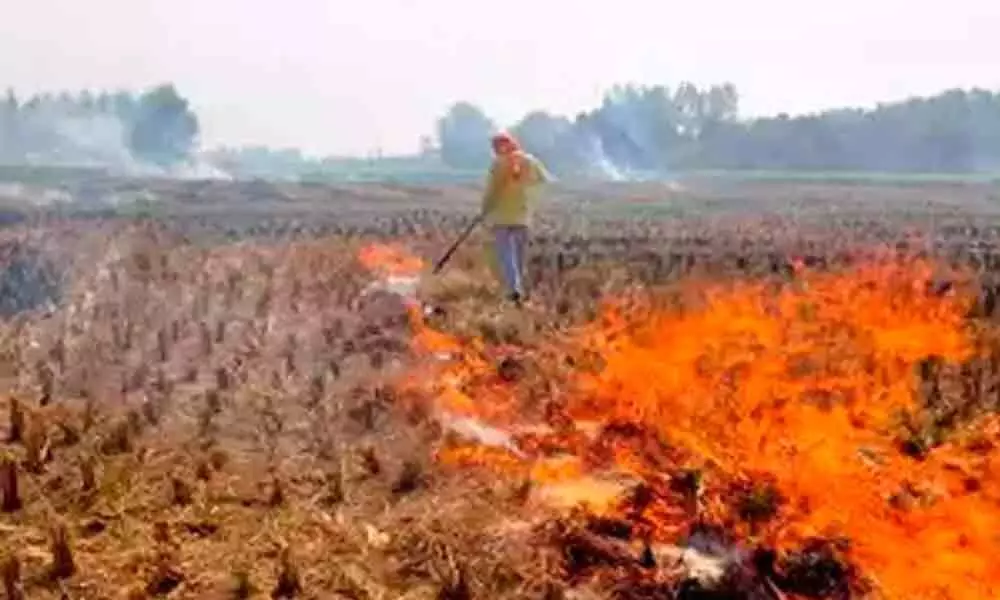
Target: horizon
(348, 81)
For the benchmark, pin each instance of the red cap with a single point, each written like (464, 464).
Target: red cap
(504, 140)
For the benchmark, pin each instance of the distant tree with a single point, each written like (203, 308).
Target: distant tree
(104, 103)
(551, 138)
(65, 102)
(9, 126)
(691, 105)
(86, 102)
(11, 103)
(163, 130)
(656, 129)
(463, 135)
(124, 105)
(541, 131)
(721, 103)
(427, 146)
(622, 126)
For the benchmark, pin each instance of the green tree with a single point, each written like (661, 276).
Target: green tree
(548, 137)
(464, 136)
(9, 126)
(86, 102)
(721, 103)
(691, 106)
(11, 103)
(124, 105)
(104, 103)
(163, 130)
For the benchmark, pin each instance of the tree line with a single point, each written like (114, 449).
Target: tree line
(155, 127)
(658, 129)
(636, 130)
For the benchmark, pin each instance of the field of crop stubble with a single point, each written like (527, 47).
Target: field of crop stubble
(741, 391)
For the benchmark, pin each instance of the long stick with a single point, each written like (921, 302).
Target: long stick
(458, 242)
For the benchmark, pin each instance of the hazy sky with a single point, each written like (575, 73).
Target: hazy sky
(351, 75)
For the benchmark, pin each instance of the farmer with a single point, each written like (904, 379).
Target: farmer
(507, 201)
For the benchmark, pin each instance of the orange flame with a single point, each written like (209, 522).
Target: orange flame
(803, 385)
(390, 259)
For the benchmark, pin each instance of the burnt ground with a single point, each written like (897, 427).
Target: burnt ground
(200, 401)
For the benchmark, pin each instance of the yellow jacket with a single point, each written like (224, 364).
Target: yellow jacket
(509, 188)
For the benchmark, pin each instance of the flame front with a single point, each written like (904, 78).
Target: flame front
(390, 260)
(804, 386)
(796, 392)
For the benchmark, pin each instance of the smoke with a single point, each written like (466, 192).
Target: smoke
(120, 134)
(99, 141)
(194, 169)
(199, 169)
(616, 142)
(96, 140)
(33, 195)
(598, 162)
(635, 133)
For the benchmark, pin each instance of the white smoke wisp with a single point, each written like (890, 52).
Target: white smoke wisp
(193, 169)
(95, 140)
(473, 429)
(33, 195)
(599, 163)
(608, 168)
(199, 169)
(99, 141)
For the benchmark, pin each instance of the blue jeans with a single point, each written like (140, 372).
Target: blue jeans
(510, 242)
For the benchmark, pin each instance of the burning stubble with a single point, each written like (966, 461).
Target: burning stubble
(793, 394)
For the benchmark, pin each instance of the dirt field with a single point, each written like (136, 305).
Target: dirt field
(715, 391)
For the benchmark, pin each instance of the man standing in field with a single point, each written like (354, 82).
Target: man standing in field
(510, 187)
